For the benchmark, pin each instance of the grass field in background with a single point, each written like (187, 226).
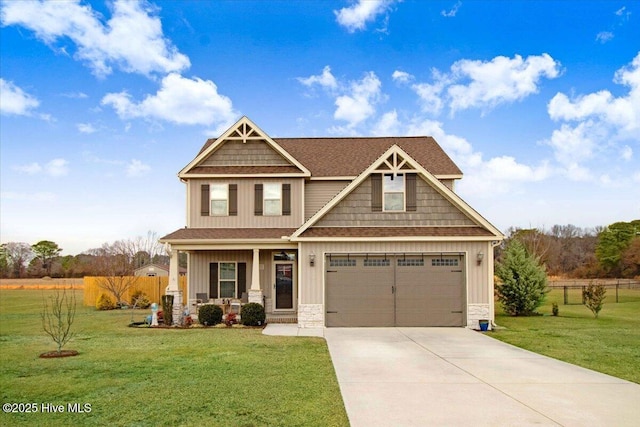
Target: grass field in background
(608, 344)
(153, 377)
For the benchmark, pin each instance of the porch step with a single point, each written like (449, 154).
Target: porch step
(281, 318)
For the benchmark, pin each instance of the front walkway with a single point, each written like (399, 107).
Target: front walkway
(459, 377)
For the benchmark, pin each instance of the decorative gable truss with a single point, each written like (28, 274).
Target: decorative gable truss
(244, 150)
(376, 184)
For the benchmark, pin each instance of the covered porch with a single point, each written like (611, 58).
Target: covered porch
(262, 270)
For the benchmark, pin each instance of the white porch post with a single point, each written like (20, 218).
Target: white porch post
(255, 293)
(173, 288)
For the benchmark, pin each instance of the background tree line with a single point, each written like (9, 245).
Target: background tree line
(122, 257)
(565, 250)
(574, 252)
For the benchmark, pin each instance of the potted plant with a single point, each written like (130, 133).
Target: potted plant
(484, 325)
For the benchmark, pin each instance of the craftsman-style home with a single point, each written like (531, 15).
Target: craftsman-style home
(334, 231)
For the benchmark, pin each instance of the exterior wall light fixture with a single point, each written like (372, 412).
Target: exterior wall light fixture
(479, 257)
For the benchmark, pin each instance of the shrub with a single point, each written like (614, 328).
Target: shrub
(140, 300)
(554, 309)
(593, 297)
(104, 302)
(524, 281)
(252, 314)
(210, 315)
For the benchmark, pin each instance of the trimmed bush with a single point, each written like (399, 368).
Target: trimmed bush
(252, 314)
(104, 302)
(209, 315)
(140, 300)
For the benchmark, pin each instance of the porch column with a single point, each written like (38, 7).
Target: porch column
(173, 288)
(255, 293)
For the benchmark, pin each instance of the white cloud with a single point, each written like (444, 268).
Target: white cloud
(132, 40)
(498, 81)
(55, 168)
(29, 169)
(355, 17)
(387, 125)
(402, 76)
(604, 36)
(487, 178)
(358, 103)
(622, 113)
(452, 12)
(75, 95)
(325, 80)
(179, 100)
(485, 84)
(87, 128)
(137, 168)
(14, 101)
(594, 125)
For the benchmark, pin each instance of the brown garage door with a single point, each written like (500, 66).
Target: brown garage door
(395, 290)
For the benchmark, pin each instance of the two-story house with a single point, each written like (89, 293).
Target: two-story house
(336, 231)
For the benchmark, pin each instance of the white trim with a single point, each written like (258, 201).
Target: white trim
(226, 136)
(397, 239)
(430, 178)
(245, 175)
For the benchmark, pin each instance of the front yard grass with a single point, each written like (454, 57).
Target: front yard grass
(608, 344)
(143, 377)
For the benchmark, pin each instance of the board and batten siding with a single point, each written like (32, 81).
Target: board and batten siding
(245, 217)
(478, 277)
(432, 209)
(199, 261)
(319, 193)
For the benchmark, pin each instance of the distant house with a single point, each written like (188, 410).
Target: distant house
(335, 231)
(153, 270)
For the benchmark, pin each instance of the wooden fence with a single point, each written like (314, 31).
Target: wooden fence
(152, 286)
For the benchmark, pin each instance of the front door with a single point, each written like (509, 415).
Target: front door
(284, 285)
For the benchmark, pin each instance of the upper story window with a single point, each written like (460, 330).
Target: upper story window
(393, 192)
(219, 199)
(272, 199)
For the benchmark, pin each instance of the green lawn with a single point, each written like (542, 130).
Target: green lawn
(608, 344)
(156, 377)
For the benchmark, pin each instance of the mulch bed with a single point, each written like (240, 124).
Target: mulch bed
(55, 354)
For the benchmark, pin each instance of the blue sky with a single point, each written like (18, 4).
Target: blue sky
(102, 103)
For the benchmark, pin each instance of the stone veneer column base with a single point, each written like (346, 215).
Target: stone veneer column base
(311, 315)
(255, 295)
(177, 306)
(476, 312)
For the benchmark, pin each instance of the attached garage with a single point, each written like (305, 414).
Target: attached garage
(395, 290)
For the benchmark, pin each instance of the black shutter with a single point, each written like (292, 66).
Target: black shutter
(286, 199)
(410, 182)
(213, 280)
(204, 200)
(242, 279)
(233, 199)
(258, 200)
(376, 192)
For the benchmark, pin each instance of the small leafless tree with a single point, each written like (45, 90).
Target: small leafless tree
(58, 314)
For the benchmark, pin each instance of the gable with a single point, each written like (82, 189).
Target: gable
(432, 210)
(433, 204)
(244, 149)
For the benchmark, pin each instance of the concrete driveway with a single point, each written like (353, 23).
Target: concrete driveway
(459, 377)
